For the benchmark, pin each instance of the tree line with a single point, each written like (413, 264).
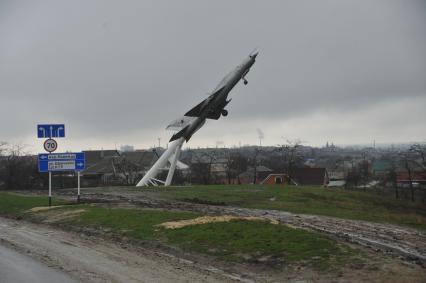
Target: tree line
(18, 169)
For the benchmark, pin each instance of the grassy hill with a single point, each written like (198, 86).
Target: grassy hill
(369, 206)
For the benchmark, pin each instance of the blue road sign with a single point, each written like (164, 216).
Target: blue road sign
(51, 131)
(70, 161)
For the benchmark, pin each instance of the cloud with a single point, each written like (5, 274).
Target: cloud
(118, 72)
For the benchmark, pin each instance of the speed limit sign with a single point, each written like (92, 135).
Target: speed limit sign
(50, 145)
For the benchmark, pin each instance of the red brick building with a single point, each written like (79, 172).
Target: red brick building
(299, 176)
(275, 179)
(417, 178)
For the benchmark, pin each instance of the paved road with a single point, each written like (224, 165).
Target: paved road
(15, 267)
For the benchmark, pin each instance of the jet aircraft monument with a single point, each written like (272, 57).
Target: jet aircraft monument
(213, 107)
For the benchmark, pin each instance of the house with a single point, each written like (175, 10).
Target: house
(336, 178)
(299, 176)
(141, 158)
(275, 179)
(95, 156)
(99, 167)
(110, 167)
(381, 168)
(336, 183)
(248, 177)
(219, 168)
(98, 173)
(418, 179)
(335, 175)
(309, 176)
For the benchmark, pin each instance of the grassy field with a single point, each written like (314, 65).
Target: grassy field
(139, 224)
(235, 241)
(257, 241)
(238, 240)
(16, 205)
(304, 199)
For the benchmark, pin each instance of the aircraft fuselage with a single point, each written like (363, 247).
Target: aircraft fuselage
(214, 105)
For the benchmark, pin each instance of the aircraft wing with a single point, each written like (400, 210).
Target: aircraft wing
(198, 110)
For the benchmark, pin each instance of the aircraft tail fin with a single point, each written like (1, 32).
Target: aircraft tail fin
(180, 123)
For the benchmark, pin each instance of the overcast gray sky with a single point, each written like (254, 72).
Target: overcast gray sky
(117, 72)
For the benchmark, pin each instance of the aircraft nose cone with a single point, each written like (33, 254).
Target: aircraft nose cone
(254, 54)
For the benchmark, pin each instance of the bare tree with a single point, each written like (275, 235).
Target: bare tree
(126, 170)
(236, 164)
(230, 172)
(364, 167)
(392, 177)
(290, 155)
(410, 178)
(353, 177)
(202, 166)
(408, 161)
(420, 150)
(18, 170)
(255, 160)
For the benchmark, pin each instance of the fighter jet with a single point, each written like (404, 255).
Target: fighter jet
(213, 107)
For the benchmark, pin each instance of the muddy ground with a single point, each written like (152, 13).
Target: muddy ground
(87, 259)
(398, 254)
(406, 243)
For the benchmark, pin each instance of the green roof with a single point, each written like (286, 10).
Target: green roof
(382, 165)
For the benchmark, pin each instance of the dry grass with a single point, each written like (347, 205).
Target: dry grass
(211, 219)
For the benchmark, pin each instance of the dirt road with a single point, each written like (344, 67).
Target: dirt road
(99, 258)
(92, 260)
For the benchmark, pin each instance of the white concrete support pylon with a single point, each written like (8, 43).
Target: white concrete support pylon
(149, 178)
(173, 162)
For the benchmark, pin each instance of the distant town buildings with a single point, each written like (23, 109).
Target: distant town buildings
(330, 166)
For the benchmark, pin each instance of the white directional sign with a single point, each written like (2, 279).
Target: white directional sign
(50, 145)
(61, 165)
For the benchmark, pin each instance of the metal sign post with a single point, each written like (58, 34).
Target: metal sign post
(50, 188)
(78, 186)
